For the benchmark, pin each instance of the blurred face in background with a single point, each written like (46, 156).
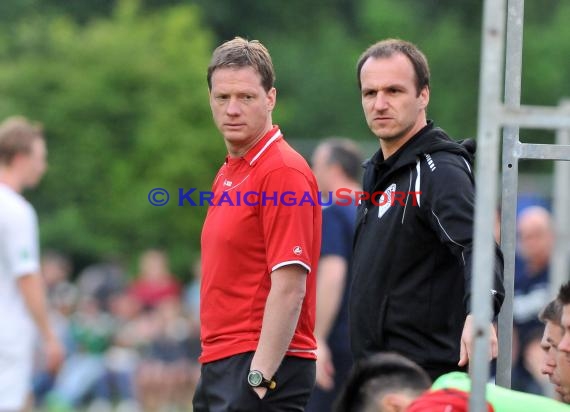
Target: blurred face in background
(154, 266)
(32, 166)
(536, 238)
(322, 168)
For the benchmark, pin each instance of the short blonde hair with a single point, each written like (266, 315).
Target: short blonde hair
(238, 53)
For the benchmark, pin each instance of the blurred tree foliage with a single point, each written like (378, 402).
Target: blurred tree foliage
(120, 87)
(125, 107)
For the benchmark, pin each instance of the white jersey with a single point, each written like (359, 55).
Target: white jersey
(19, 256)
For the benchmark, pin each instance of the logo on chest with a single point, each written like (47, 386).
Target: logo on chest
(387, 200)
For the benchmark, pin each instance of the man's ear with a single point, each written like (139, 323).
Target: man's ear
(271, 98)
(424, 97)
(395, 402)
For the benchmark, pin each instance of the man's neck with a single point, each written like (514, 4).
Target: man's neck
(536, 268)
(240, 151)
(10, 180)
(391, 146)
(346, 185)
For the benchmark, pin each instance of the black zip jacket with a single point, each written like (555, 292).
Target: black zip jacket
(412, 252)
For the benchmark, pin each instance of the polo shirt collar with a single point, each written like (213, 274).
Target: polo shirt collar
(260, 147)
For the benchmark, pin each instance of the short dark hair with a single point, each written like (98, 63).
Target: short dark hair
(239, 53)
(16, 136)
(551, 312)
(346, 154)
(378, 375)
(564, 294)
(388, 48)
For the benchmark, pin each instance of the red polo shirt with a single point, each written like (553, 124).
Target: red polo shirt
(260, 219)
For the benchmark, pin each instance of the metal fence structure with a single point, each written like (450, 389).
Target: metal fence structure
(502, 41)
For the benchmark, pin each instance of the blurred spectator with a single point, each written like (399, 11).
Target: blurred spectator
(535, 244)
(169, 371)
(154, 282)
(116, 385)
(100, 281)
(192, 293)
(56, 270)
(336, 165)
(91, 331)
(128, 345)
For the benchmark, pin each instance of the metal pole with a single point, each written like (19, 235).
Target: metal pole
(492, 47)
(510, 168)
(535, 117)
(560, 261)
(543, 151)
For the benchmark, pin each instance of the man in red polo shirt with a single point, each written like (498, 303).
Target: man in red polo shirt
(260, 247)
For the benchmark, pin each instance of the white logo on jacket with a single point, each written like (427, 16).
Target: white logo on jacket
(386, 200)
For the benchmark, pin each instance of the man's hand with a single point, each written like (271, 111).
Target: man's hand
(467, 342)
(54, 354)
(260, 392)
(325, 368)
(280, 317)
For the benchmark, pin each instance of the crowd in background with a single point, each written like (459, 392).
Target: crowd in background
(131, 344)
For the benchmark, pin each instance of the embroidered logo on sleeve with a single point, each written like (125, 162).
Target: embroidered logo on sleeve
(25, 254)
(430, 162)
(297, 250)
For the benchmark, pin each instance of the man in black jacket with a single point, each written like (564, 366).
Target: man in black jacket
(414, 237)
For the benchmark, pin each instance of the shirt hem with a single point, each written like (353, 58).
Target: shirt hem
(237, 349)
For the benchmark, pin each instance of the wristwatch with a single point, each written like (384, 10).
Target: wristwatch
(257, 380)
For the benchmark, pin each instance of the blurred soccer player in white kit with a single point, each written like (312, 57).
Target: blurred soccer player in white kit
(23, 308)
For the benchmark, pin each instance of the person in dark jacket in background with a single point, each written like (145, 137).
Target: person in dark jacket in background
(414, 235)
(337, 165)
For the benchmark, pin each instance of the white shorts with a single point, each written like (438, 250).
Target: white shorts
(16, 363)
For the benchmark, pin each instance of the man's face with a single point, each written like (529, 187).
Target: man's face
(562, 371)
(321, 167)
(554, 365)
(34, 164)
(561, 376)
(535, 237)
(241, 108)
(392, 106)
(549, 345)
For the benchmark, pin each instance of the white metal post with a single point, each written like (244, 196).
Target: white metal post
(510, 168)
(560, 262)
(486, 196)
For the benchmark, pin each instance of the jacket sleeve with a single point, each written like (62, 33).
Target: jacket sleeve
(449, 202)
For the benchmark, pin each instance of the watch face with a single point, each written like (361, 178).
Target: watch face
(254, 378)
